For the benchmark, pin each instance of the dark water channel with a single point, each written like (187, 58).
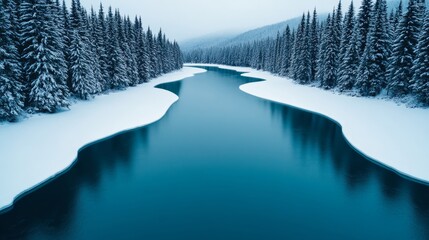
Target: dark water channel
(223, 165)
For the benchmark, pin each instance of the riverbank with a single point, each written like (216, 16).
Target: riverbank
(37, 149)
(395, 136)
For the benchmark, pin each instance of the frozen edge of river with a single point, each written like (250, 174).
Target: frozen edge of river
(36, 150)
(393, 136)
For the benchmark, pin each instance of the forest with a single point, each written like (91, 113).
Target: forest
(368, 52)
(51, 55)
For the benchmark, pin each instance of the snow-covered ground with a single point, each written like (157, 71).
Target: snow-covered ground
(393, 135)
(38, 148)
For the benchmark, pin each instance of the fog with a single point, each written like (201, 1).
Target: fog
(186, 19)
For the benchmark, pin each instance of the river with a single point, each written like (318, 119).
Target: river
(222, 164)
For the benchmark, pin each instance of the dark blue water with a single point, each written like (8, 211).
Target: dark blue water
(223, 165)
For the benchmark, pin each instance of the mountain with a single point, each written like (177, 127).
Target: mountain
(206, 41)
(246, 37)
(269, 31)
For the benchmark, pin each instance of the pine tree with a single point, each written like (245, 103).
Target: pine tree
(421, 66)
(47, 91)
(314, 46)
(117, 65)
(83, 80)
(142, 52)
(364, 22)
(152, 50)
(11, 99)
(286, 52)
(373, 67)
(100, 36)
(328, 61)
(349, 65)
(301, 58)
(320, 75)
(131, 60)
(348, 31)
(403, 55)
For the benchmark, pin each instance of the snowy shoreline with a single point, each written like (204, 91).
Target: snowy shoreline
(37, 149)
(391, 135)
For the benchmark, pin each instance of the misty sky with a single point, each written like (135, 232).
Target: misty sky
(185, 19)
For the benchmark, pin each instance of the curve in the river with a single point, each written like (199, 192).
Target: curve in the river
(222, 164)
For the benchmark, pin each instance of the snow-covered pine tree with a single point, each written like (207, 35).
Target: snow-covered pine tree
(330, 56)
(90, 26)
(397, 16)
(297, 56)
(142, 52)
(320, 74)
(83, 80)
(11, 99)
(160, 53)
(153, 58)
(117, 65)
(349, 52)
(338, 27)
(286, 52)
(349, 65)
(403, 55)
(65, 16)
(314, 46)
(43, 60)
(421, 66)
(304, 68)
(364, 22)
(348, 31)
(373, 67)
(100, 35)
(130, 52)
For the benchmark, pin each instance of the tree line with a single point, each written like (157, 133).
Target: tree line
(369, 52)
(50, 54)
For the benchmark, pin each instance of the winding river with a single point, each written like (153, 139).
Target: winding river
(222, 164)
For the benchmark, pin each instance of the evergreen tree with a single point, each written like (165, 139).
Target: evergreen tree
(83, 80)
(348, 31)
(320, 75)
(286, 52)
(11, 99)
(364, 22)
(47, 91)
(349, 65)
(373, 67)
(152, 50)
(117, 65)
(421, 66)
(100, 36)
(314, 46)
(403, 54)
(142, 53)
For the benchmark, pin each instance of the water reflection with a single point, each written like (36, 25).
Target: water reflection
(223, 165)
(51, 207)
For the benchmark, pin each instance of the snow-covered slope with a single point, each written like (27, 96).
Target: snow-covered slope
(38, 148)
(393, 135)
(220, 40)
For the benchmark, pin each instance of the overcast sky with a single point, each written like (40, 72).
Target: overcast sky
(185, 19)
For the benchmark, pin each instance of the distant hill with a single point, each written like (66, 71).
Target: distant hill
(206, 41)
(249, 36)
(269, 31)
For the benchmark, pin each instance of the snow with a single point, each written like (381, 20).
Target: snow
(395, 136)
(39, 148)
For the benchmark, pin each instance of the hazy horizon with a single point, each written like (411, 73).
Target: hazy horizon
(193, 18)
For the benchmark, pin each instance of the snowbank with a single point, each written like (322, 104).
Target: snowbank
(39, 148)
(393, 135)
